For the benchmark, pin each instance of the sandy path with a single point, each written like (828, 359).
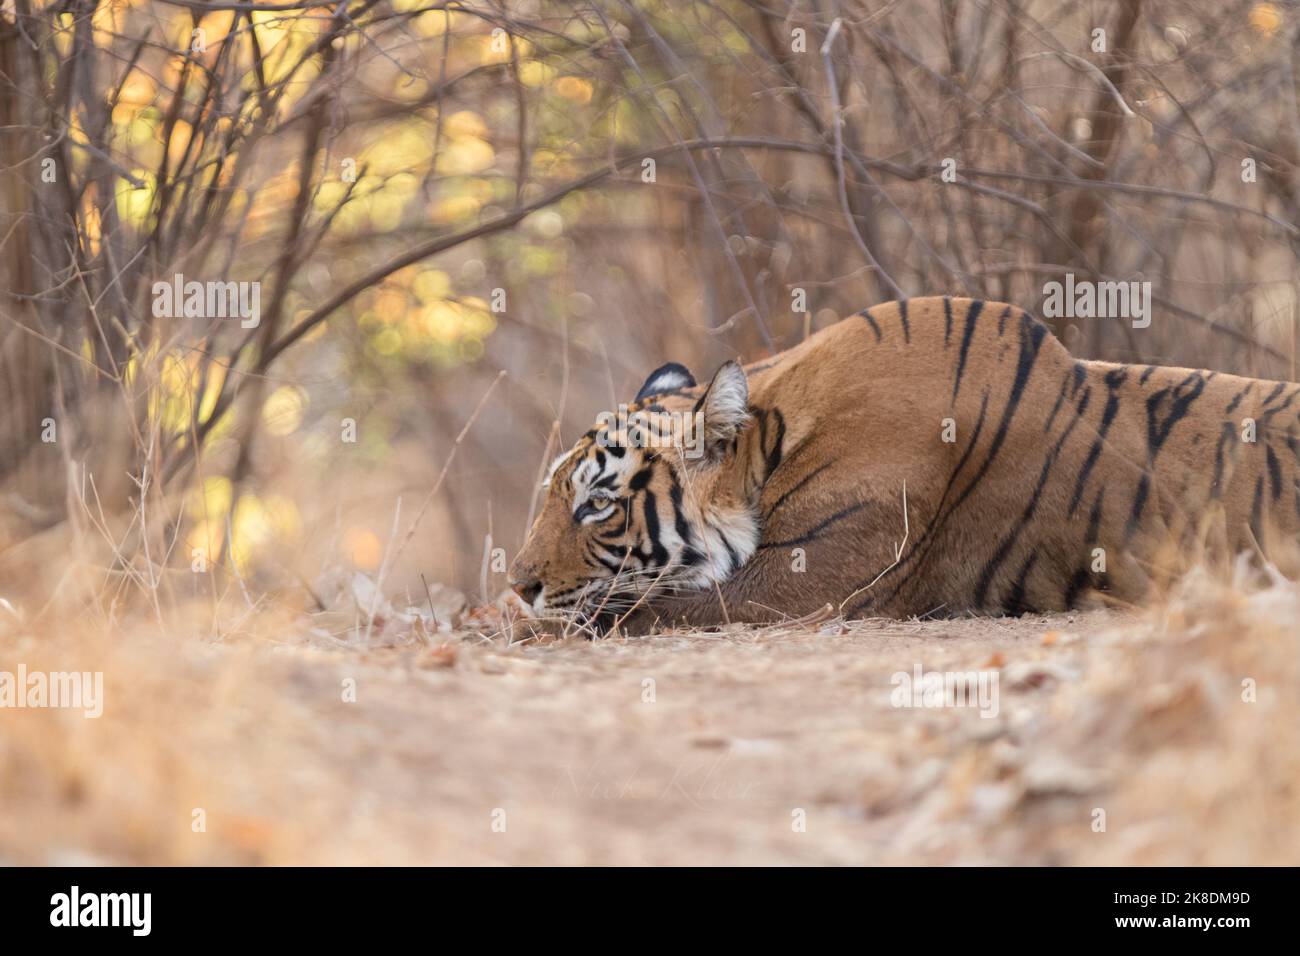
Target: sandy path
(747, 746)
(702, 748)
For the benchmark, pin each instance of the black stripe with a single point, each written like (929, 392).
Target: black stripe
(612, 549)
(1139, 503)
(1184, 395)
(972, 316)
(1236, 399)
(1274, 472)
(1060, 400)
(817, 529)
(733, 559)
(799, 484)
(773, 455)
(947, 319)
(1275, 410)
(1257, 512)
(1114, 379)
(1094, 518)
(1004, 549)
(872, 322)
(907, 329)
(1277, 390)
(1226, 434)
(608, 563)
(680, 524)
(1081, 578)
(1002, 319)
(658, 553)
(1080, 376)
(1015, 605)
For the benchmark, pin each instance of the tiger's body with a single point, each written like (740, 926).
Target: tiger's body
(1032, 479)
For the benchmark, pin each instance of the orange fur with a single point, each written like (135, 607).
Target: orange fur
(1056, 466)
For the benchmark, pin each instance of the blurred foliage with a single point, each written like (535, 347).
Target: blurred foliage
(428, 194)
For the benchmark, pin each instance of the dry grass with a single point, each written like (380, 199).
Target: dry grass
(1139, 715)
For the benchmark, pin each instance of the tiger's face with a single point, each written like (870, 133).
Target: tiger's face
(651, 500)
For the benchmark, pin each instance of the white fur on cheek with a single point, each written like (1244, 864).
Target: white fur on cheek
(720, 528)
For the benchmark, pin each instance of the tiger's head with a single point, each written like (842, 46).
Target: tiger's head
(653, 499)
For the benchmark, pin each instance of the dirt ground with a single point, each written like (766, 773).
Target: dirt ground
(1112, 738)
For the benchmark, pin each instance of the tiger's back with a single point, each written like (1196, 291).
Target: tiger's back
(1032, 479)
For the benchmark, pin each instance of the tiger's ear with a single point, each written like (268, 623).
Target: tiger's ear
(664, 379)
(725, 404)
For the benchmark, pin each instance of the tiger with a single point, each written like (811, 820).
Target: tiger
(934, 456)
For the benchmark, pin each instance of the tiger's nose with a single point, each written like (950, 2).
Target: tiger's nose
(527, 589)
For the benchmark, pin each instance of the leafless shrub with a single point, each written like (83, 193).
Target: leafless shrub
(856, 151)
